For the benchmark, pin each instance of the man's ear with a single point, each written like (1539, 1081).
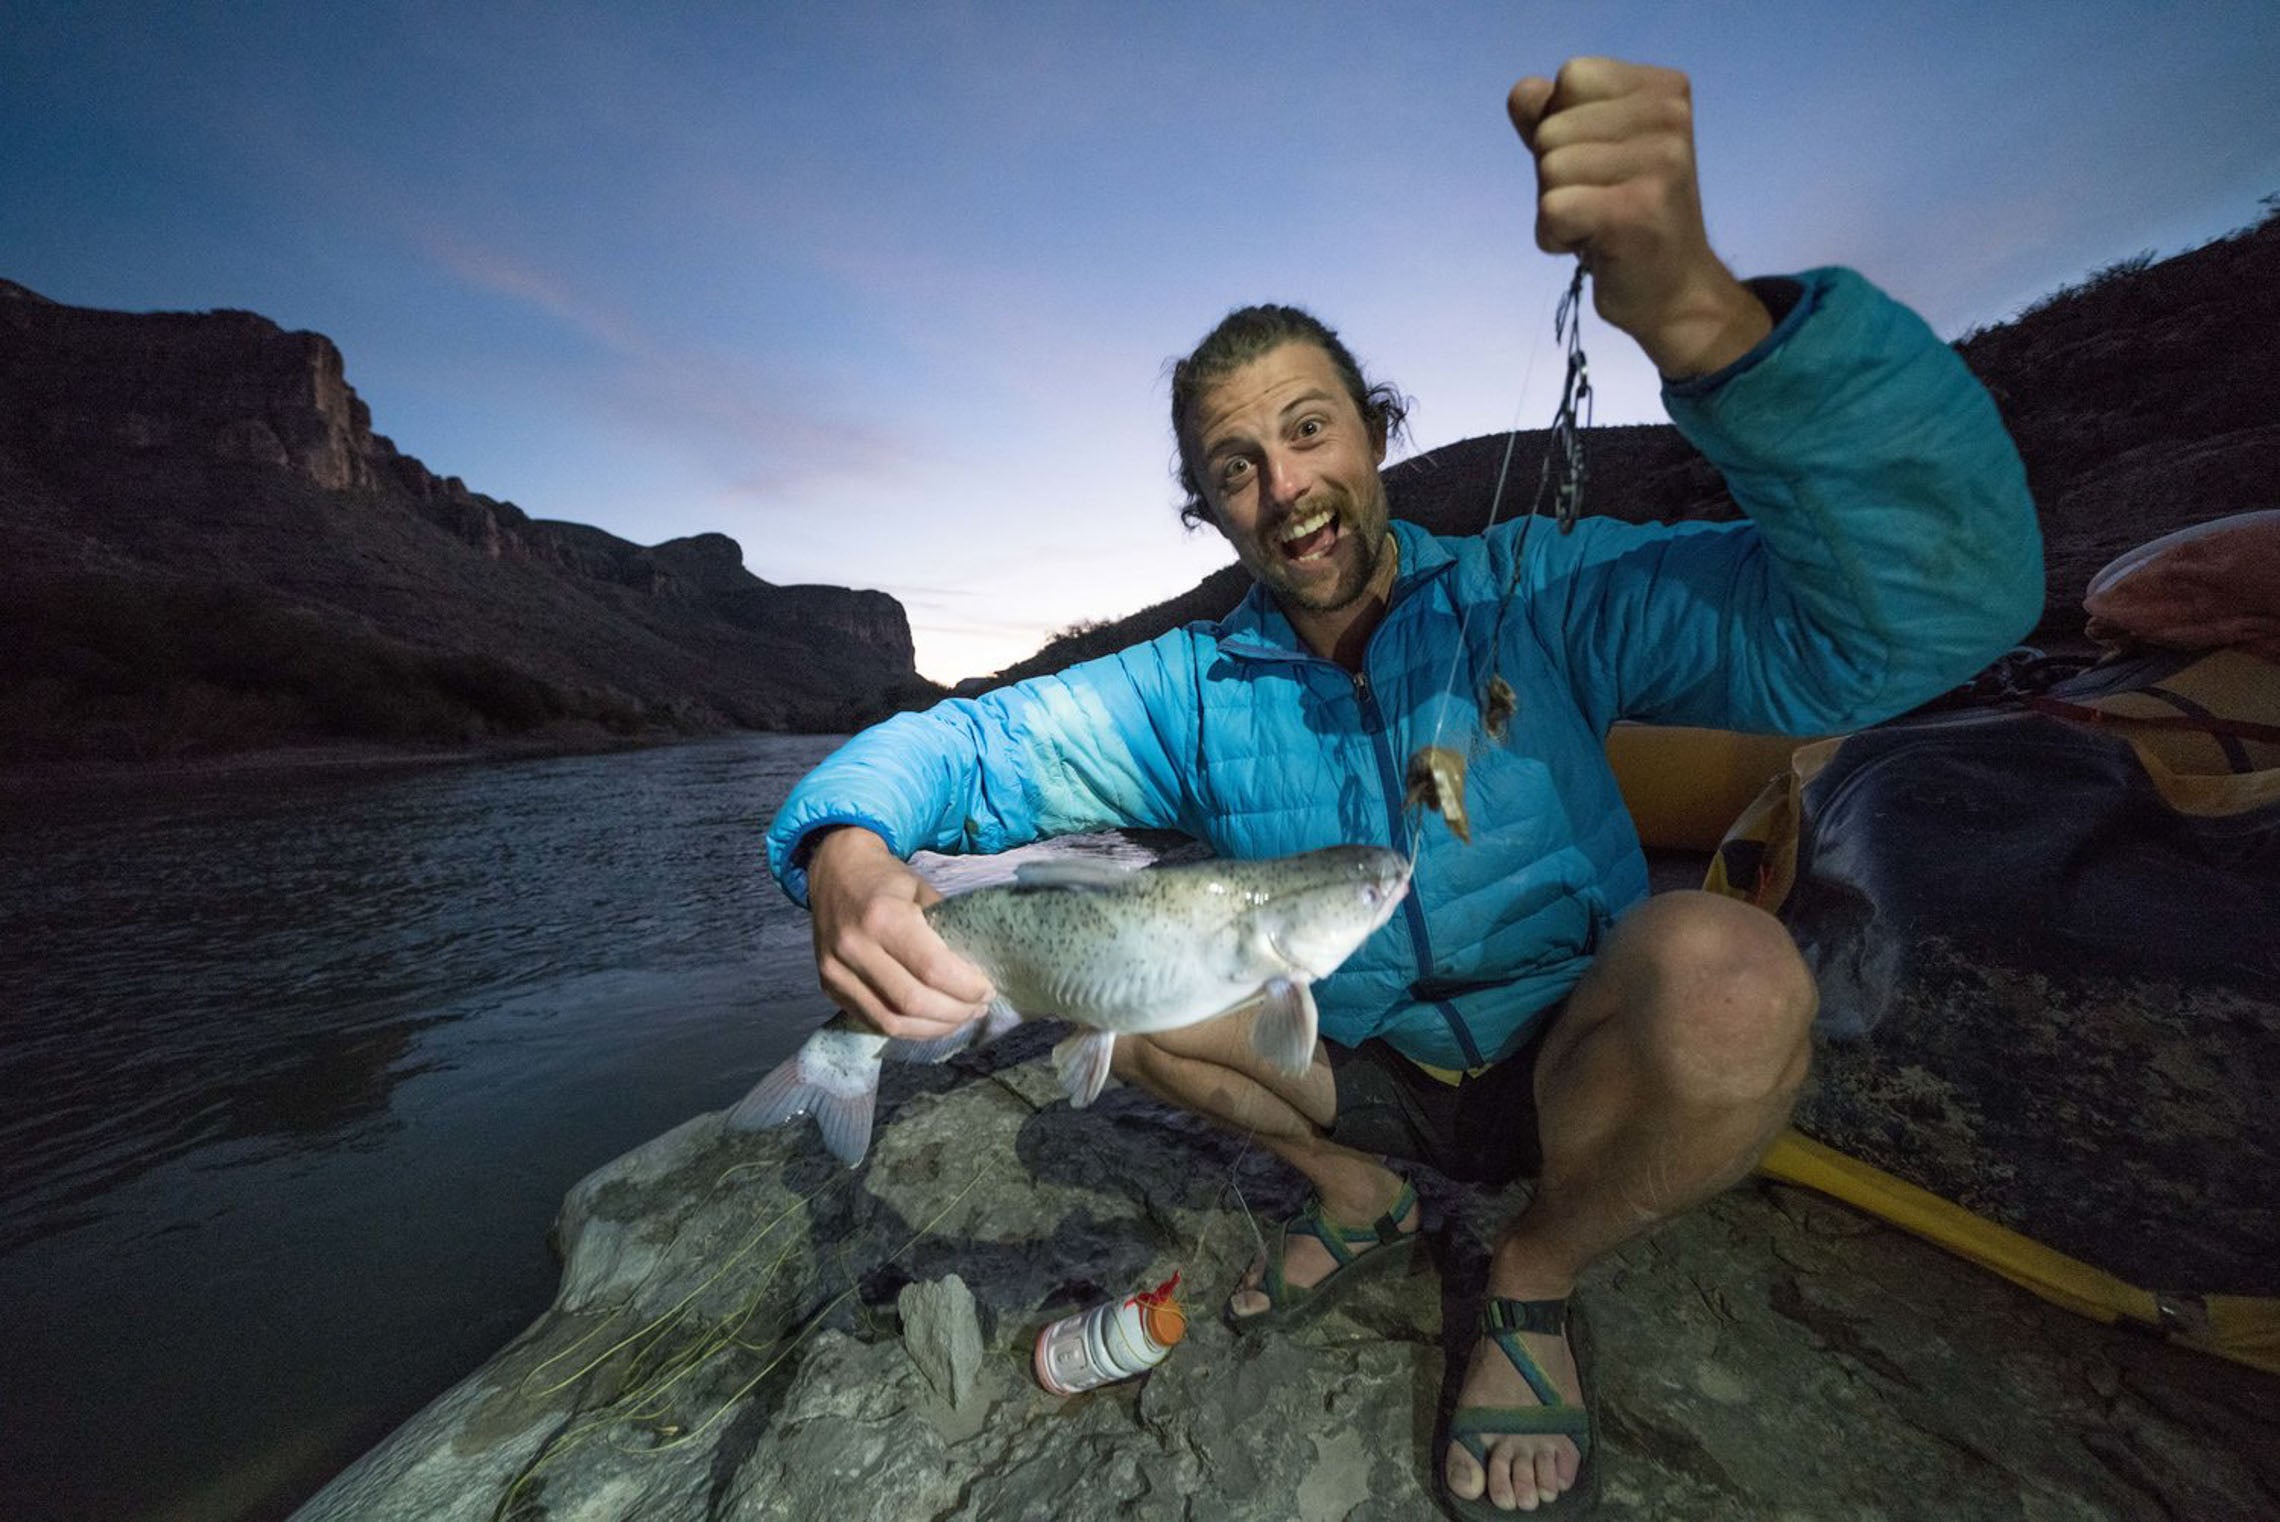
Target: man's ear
(1377, 437)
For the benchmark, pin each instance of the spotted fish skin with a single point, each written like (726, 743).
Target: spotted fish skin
(1115, 951)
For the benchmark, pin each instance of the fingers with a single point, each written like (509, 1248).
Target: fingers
(888, 968)
(876, 955)
(1616, 182)
(899, 999)
(1614, 150)
(1525, 105)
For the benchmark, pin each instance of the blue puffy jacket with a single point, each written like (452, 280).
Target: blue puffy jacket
(1890, 552)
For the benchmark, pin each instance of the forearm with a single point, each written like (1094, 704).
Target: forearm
(1714, 321)
(1083, 750)
(903, 783)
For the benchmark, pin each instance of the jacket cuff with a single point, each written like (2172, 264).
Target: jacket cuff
(1788, 300)
(790, 844)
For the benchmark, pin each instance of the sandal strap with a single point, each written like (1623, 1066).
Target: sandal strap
(1547, 1317)
(1473, 1428)
(1501, 1320)
(1383, 1231)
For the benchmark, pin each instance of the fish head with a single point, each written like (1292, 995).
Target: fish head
(1316, 909)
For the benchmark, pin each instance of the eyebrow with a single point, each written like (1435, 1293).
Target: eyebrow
(1312, 396)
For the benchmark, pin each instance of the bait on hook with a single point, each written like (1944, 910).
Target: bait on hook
(1436, 782)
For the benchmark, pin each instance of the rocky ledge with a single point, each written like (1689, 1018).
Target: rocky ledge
(729, 1342)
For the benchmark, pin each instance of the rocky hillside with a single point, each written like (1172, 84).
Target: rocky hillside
(2145, 398)
(207, 549)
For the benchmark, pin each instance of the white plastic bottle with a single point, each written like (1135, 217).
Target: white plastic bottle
(1110, 1341)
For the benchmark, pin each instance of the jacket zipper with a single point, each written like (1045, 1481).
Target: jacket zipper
(1397, 831)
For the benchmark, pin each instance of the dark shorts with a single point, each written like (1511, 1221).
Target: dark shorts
(1481, 1129)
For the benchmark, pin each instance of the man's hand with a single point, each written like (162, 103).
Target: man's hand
(878, 958)
(1615, 180)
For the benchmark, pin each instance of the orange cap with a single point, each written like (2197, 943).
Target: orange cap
(1161, 1314)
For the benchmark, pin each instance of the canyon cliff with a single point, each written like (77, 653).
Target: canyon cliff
(208, 549)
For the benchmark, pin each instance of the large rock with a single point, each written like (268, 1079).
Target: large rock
(725, 1344)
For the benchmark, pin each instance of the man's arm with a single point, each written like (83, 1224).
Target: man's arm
(1091, 748)
(1893, 548)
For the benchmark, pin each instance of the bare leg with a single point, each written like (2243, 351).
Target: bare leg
(1211, 1070)
(1670, 1071)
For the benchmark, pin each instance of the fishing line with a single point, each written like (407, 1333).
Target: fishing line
(642, 1398)
(1258, 1238)
(1560, 480)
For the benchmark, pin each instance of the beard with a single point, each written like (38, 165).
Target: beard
(1358, 555)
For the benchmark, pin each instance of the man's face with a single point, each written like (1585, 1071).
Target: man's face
(1289, 469)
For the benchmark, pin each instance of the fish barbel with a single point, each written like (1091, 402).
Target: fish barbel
(1119, 952)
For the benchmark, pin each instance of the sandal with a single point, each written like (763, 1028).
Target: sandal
(1475, 1427)
(1362, 1252)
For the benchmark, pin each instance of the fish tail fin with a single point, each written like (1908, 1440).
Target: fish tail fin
(1283, 1031)
(845, 1122)
(841, 1101)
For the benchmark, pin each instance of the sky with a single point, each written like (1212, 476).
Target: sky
(886, 292)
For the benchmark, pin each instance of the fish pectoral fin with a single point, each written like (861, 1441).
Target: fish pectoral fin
(999, 1018)
(985, 1027)
(1072, 872)
(940, 1049)
(1082, 1063)
(1282, 1032)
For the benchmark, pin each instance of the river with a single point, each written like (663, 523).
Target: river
(298, 1068)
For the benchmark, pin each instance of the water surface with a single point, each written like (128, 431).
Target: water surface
(297, 1071)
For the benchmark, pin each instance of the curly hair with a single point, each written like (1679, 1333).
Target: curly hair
(1242, 336)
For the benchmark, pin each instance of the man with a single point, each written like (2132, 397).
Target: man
(1530, 1009)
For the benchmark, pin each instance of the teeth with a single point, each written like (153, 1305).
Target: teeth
(1302, 527)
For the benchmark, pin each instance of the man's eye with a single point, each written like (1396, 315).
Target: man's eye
(1234, 470)
(1309, 427)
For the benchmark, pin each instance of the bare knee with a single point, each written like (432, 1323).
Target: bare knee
(1716, 992)
(1136, 1060)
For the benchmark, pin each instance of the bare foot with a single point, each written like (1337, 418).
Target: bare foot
(1525, 1470)
(1306, 1262)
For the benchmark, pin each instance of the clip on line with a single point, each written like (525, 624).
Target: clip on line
(1560, 480)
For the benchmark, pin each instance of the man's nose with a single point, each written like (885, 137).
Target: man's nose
(1287, 477)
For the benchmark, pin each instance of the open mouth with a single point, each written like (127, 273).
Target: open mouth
(1310, 537)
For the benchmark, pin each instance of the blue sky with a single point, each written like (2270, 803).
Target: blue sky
(885, 291)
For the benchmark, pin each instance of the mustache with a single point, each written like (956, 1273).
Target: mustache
(1329, 497)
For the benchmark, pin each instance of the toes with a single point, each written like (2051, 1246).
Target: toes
(1549, 1481)
(1465, 1478)
(1249, 1297)
(1501, 1488)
